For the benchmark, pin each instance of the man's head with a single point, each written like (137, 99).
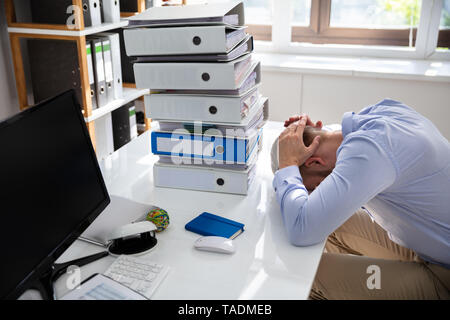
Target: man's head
(321, 163)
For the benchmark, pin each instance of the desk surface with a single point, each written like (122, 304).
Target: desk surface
(265, 265)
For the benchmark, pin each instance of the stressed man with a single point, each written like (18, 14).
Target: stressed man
(379, 190)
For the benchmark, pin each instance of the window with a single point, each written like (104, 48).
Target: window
(385, 14)
(292, 24)
(444, 26)
(258, 18)
(301, 13)
(368, 22)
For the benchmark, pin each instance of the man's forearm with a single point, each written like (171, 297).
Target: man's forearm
(292, 197)
(310, 218)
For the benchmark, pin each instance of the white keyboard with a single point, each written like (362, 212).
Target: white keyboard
(139, 274)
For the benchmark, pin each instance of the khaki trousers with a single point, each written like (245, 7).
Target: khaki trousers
(361, 262)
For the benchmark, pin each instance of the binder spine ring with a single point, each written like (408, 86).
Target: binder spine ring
(220, 182)
(197, 40)
(213, 109)
(205, 76)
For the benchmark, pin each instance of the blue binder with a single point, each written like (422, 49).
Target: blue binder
(207, 147)
(207, 224)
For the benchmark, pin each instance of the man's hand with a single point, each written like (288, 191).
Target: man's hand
(309, 122)
(292, 150)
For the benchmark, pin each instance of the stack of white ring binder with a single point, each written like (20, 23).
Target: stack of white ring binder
(197, 62)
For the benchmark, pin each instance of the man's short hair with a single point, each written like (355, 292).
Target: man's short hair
(308, 136)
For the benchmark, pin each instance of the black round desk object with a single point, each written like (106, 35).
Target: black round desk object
(133, 238)
(133, 245)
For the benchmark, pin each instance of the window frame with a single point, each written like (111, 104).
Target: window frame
(260, 31)
(320, 32)
(313, 39)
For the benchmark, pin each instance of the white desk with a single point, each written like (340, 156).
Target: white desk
(265, 266)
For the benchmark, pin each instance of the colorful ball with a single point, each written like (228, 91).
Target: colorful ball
(159, 217)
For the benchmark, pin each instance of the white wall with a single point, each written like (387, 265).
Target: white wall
(9, 104)
(327, 97)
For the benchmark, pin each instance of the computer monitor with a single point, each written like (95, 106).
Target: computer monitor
(51, 189)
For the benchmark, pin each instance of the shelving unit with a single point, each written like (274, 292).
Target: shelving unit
(129, 94)
(20, 30)
(70, 33)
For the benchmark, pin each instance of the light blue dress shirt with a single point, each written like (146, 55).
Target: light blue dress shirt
(393, 161)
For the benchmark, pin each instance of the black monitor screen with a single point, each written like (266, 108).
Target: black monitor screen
(51, 188)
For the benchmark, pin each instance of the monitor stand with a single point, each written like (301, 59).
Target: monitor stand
(45, 283)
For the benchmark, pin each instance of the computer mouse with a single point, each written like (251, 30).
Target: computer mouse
(215, 244)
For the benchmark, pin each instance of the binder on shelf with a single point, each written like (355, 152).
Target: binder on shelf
(104, 136)
(91, 12)
(197, 76)
(111, 11)
(228, 13)
(99, 71)
(182, 40)
(140, 115)
(210, 147)
(190, 107)
(60, 12)
(121, 126)
(91, 75)
(126, 61)
(107, 61)
(133, 122)
(243, 48)
(116, 63)
(54, 68)
(203, 178)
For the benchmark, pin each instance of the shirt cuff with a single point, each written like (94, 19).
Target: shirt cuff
(347, 123)
(282, 175)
